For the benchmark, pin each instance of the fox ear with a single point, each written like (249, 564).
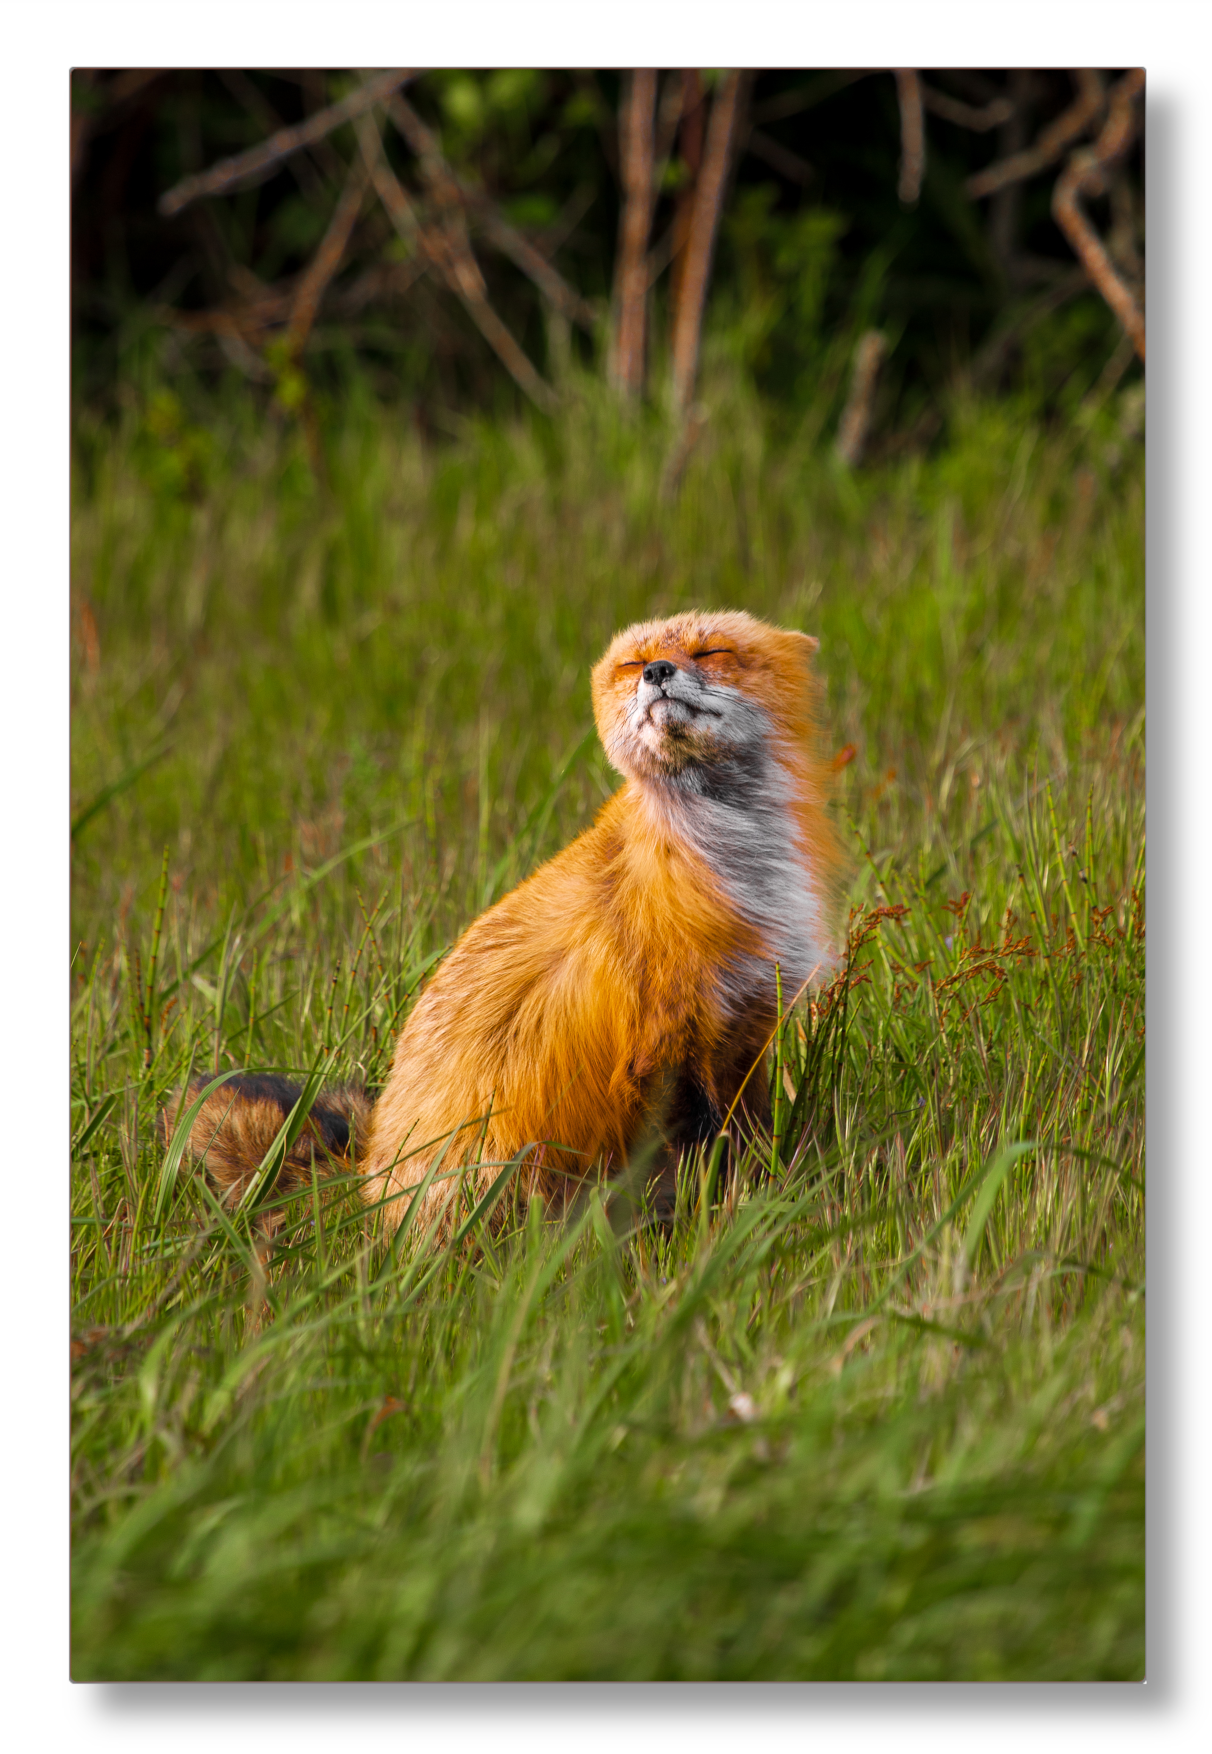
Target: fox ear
(808, 641)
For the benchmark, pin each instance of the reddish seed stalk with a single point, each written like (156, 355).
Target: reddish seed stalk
(155, 957)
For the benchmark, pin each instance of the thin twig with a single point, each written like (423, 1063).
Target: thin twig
(636, 128)
(669, 116)
(327, 259)
(856, 416)
(979, 121)
(1086, 174)
(448, 250)
(266, 117)
(380, 281)
(507, 238)
(532, 262)
(259, 160)
(249, 319)
(704, 224)
(1069, 126)
(558, 232)
(991, 356)
(236, 349)
(400, 210)
(913, 136)
(1109, 378)
(125, 85)
(780, 158)
(271, 306)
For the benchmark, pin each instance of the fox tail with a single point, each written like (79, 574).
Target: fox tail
(239, 1121)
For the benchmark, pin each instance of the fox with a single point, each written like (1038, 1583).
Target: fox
(628, 990)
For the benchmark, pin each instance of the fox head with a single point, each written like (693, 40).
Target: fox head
(675, 700)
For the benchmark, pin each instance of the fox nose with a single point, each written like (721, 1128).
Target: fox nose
(659, 672)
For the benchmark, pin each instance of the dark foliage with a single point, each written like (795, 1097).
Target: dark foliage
(815, 242)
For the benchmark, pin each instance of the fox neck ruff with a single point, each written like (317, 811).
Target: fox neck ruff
(710, 717)
(739, 817)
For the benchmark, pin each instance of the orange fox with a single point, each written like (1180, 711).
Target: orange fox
(628, 986)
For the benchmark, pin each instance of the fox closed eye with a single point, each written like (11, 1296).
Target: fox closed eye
(715, 652)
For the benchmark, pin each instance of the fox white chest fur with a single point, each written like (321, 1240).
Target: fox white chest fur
(712, 767)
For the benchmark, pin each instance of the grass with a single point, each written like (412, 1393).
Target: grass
(876, 1409)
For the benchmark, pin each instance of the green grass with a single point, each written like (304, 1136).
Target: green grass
(878, 1411)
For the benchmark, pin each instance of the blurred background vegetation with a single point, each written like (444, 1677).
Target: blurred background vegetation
(820, 236)
(505, 358)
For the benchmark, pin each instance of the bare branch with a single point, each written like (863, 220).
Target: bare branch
(381, 280)
(1086, 174)
(227, 327)
(258, 161)
(521, 252)
(951, 109)
(989, 359)
(327, 259)
(636, 125)
(269, 307)
(450, 253)
(913, 136)
(390, 191)
(1069, 126)
(532, 262)
(263, 113)
(704, 223)
(560, 229)
(124, 85)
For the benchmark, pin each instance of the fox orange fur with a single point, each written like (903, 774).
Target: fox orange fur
(628, 986)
